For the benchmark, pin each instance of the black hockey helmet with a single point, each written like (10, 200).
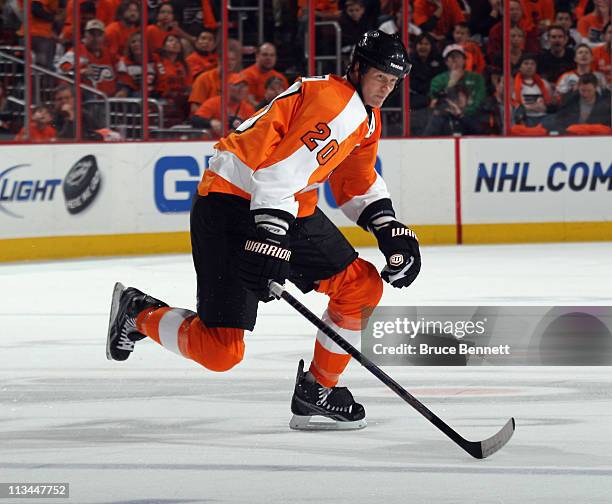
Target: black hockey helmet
(382, 51)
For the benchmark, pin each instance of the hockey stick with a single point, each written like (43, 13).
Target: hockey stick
(477, 449)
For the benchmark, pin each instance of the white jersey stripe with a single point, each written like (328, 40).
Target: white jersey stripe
(353, 337)
(275, 186)
(231, 168)
(353, 207)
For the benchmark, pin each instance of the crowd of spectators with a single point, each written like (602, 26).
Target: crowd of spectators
(561, 74)
(559, 51)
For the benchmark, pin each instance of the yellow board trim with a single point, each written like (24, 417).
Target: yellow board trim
(65, 247)
(537, 232)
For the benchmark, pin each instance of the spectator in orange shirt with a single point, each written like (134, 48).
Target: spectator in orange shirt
(601, 55)
(583, 7)
(166, 24)
(437, 16)
(208, 115)
(258, 73)
(97, 65)
(592, 25)
(41, 30)
(128, 22)
(204, 57)
(174, 79)
(40, 128)
(541, 13)
(475, 61)
(208, 84)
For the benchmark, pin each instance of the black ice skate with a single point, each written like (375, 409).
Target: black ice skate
(336, 403)
(122, 334)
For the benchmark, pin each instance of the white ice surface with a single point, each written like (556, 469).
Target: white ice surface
(160, 429)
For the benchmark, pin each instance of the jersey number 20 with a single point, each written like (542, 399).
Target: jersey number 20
(314, 139)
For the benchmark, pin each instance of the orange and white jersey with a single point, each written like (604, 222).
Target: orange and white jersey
(568, 81)
(102, 72)
(318, 129)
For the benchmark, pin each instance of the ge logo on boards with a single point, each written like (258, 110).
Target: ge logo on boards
(175, 182)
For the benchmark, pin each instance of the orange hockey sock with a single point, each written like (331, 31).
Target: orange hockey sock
(353, 293)
(182, 332)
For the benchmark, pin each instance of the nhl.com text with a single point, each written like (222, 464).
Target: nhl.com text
(455, 330)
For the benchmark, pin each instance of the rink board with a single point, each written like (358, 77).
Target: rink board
(536, 190)
(137, 197)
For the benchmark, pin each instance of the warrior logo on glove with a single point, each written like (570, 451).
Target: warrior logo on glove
(400, 246)
(399, 231)
(266, 254)
(267, 249)
(396, 259)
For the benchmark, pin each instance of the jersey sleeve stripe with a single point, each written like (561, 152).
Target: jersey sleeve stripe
(229, 166)
(353, 207)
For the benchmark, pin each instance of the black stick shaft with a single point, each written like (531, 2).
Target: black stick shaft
(468, 446)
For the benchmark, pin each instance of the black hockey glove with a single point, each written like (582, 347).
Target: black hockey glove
(265, 255)
(401, 249)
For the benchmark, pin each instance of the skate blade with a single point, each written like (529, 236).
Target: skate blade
(117, 290)
(300, 422)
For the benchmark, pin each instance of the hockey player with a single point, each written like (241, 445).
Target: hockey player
(255, 219)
